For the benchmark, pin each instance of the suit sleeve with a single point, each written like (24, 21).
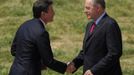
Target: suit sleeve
(13, 47)
(45, 51)
(78, 61)
(114, 46)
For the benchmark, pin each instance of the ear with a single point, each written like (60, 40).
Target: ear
(43, 13)
(99, 8)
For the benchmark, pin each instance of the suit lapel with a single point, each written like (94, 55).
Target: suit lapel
(87, 34)
(90, 36)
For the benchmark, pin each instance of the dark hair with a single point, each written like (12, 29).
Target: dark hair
(39, 6)
(101, 2)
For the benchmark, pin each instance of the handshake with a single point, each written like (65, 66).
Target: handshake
(70, 67)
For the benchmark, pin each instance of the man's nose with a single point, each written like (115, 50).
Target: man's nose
(84, 11)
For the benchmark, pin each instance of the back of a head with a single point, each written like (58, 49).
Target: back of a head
(39, 6)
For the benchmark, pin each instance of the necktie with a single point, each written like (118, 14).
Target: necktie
(92, 27)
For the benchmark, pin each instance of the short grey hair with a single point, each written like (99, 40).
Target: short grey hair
(100, 2)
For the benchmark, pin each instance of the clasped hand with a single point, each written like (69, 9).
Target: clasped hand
(70, 67)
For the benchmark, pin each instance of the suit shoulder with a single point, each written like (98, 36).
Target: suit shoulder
(32, 28)
(112, 24)
(110, 20)
(34, 25)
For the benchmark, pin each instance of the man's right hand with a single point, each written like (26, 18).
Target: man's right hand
(70, 67)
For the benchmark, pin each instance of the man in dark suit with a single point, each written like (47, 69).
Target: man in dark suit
(31, 46)
(102, 44)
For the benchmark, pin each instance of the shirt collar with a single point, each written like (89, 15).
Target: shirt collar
(98, 20)
(42, 21)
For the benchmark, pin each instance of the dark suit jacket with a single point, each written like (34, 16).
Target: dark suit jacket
(101, 49)
(31, 45)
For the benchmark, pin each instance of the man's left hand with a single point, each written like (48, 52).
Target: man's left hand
(88, 72)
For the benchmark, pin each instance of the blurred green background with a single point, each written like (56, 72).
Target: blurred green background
(66, 31)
